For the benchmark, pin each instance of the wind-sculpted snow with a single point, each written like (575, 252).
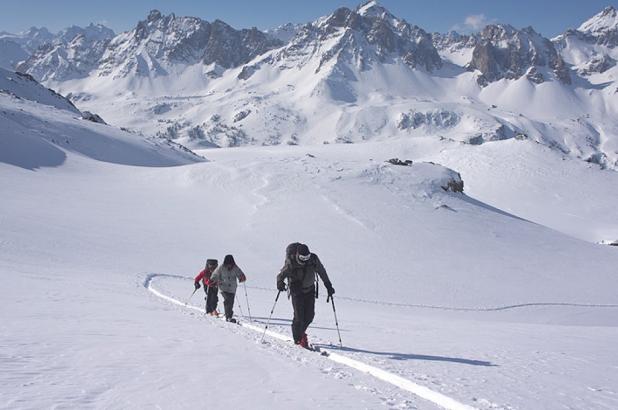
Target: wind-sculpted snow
(40, 127)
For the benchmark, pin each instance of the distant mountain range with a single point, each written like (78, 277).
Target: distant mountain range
(353, 75)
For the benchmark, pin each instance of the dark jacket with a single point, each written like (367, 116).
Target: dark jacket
(301, 276)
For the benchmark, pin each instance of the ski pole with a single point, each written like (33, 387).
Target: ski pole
(332, 299)
(187, 302)
(271, 315)
(248, 307)
(240, 309)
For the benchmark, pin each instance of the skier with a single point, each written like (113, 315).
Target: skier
(225, 276)
(210, 288)
(300, 269)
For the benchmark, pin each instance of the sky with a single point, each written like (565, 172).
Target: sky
(549, 17)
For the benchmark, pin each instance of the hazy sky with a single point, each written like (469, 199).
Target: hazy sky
(550, 17)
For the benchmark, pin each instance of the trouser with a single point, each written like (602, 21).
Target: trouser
(304, 311)
(228, 304)
(212, 298)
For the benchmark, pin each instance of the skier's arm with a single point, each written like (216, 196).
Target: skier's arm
(321, 271)
(240, 275)
(284, 273)
(214, 278)
(198, 278)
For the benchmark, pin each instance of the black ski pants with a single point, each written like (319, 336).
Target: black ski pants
(228, 304)
(304, 312)
(212, 298)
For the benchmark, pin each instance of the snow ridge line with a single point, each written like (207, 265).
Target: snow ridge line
(398, 381)
(464, 309)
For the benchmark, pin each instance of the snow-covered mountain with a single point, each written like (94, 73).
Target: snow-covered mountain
(15, 48)
(30, 39)
(592, 49)
(53, 55)
(42, 128)
(354, 75)
(72, 53)
(284, 32)
(153, 48)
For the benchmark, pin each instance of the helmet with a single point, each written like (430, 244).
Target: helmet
(303, 253)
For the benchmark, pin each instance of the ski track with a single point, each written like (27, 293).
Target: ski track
(418, 390)
(465, 309)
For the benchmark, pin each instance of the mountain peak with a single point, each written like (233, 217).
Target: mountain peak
(371, 7)
(606, 20)
(154, 15)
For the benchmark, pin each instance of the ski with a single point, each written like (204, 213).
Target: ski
(316, 349)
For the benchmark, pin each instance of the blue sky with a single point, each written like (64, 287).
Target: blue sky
(550, 17)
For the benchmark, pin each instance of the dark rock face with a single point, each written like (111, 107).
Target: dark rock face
(231, 48)
(186, 40)
(504, 52)
(154, 41)
(454, 41)
(367, 35)
(90, 116)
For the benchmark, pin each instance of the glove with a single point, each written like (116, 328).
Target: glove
(329, 289)
(281, 286)
(197, 285)
(242, 278)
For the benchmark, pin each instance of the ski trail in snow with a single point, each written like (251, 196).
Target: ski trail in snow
(398, 381)
(466, 309)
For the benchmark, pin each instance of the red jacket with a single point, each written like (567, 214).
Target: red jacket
(204, 276)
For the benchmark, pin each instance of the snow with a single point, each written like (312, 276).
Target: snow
(604, 21)
(424, 282)
(500, 297)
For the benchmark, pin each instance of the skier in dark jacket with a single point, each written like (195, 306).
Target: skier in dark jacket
(210, 288)
(300, 269)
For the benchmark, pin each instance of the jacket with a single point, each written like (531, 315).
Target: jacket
(204, 276)
(301, 277)
(227, 279)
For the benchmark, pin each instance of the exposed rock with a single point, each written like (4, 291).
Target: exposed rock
(397, 161)
(241, 115)
(87, 115)
(505, 52)
(436, 118)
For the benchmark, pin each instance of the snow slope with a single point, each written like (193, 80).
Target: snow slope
(39, 126)
(436, 287)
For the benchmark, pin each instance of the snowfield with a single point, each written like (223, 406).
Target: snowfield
(438, 288)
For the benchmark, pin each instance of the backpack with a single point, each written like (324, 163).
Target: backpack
(291, 250)
(290, 254)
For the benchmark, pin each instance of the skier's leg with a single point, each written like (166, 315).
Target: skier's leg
(206, 292)
(211, 299)
(228, 304)
(309, 303)
(299, 314)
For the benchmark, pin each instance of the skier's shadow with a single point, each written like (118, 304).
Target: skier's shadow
(411, 356)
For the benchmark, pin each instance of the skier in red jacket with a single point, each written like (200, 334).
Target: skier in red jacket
(210, 288)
